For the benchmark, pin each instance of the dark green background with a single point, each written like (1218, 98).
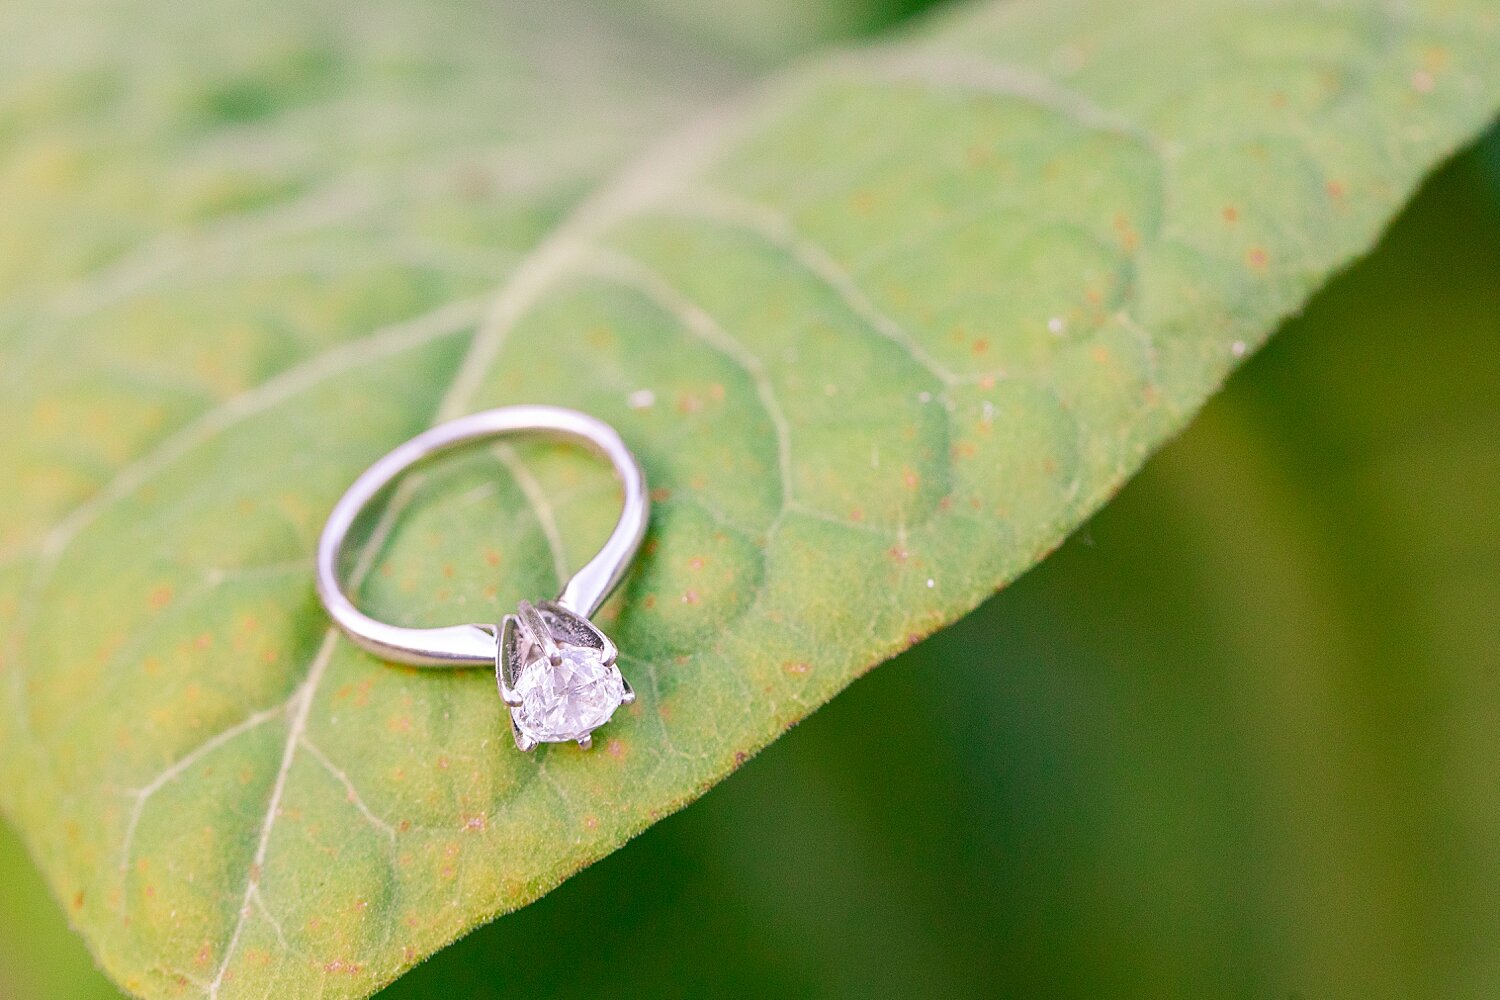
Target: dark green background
(1240, 736)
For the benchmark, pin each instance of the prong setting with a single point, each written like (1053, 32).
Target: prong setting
(557, 674)
(524, 743)
(538, 632)
(508, 640)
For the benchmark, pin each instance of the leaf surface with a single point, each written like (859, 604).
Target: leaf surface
(882, 331)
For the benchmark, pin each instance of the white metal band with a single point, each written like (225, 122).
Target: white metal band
(475, 645)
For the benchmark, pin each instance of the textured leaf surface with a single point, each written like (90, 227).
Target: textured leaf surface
(882, 333)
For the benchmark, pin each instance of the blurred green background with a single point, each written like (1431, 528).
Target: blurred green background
(1240, 736)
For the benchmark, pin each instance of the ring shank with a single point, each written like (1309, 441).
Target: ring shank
(475, 645)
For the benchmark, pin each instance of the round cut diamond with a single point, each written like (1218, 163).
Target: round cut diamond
(567, 701)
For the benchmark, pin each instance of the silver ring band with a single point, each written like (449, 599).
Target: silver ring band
(476, 645)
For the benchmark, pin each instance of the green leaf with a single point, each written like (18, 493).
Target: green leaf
(1240, 711)
(905, 316)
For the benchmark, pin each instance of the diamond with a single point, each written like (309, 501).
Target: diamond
(567, 701)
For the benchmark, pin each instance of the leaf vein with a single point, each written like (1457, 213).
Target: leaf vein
(355, 798)
(631, 273)
(777, 229)
(953, 69)
(540, 504)
(388, 341)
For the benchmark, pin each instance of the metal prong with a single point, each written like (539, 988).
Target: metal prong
(586, 742)
(629, 697)
(523, 742)
(570, 623)
(506, 654)
(537, 629)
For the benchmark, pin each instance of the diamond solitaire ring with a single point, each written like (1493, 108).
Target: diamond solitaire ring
(556, 671)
